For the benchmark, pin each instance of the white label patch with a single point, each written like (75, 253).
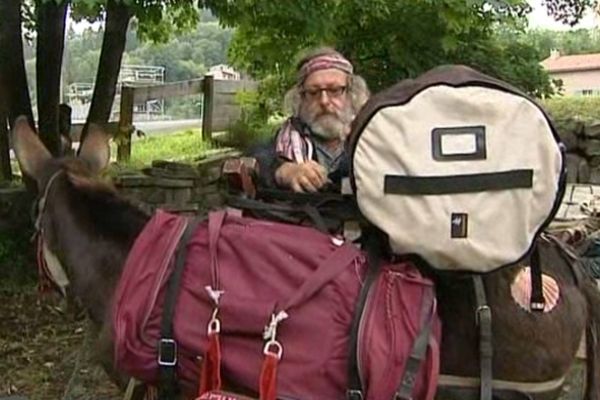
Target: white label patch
(458, 144)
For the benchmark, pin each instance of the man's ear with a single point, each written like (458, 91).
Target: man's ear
(29, 150)
(95, 149)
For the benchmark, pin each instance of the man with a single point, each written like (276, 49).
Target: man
(309, 147)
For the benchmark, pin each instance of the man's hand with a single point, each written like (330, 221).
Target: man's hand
(309, 176)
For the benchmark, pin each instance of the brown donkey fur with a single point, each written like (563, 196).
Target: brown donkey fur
(91, 229)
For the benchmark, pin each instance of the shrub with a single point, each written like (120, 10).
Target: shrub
(585, 109)
(17, 265)
(258, 122)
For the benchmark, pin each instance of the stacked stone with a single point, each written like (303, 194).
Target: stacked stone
(571, 133)
(582, 141)
(15, 209)
(177, 187)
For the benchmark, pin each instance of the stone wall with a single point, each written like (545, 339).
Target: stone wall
(182, 188)
(582, 141)
(15, 210)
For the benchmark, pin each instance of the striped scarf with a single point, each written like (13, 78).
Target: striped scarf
(293, 141)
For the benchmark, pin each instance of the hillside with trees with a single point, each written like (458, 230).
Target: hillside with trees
(187, 55)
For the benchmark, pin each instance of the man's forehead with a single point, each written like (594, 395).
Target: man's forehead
(326, 77)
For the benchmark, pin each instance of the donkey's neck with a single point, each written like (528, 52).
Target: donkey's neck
(94, 235)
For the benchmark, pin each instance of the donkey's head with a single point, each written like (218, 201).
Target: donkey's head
(85, 229)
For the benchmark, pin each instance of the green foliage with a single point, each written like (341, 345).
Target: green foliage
(387, 40)
(156, 20)
(159, 21)
(580, 108)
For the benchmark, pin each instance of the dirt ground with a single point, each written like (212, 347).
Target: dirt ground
(44, 353)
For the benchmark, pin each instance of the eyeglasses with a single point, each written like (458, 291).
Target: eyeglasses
(332, 92)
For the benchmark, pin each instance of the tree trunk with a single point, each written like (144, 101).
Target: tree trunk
(49, 53)
(12, 62)
(5, 169)
(113, 45)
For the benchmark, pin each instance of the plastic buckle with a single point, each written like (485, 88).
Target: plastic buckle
(537, 306)
(354, 395)
(167, 353)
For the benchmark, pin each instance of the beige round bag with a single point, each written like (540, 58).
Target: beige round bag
(457, 167)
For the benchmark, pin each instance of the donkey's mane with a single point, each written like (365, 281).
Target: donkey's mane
(108, 213)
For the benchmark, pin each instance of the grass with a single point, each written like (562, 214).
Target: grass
(182, 146)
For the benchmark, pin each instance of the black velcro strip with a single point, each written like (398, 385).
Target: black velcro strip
(453, 184)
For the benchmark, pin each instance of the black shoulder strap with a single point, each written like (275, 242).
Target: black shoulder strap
(287, 213)
(373, 247)
(167, 346)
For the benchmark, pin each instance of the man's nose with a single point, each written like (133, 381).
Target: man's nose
(324, 98)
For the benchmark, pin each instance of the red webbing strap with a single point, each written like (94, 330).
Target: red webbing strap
(268, 377)
(210, 374)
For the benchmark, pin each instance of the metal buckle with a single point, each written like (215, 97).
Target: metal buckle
(167, 353)
(354, 394)
(480, 310)
(273, 348)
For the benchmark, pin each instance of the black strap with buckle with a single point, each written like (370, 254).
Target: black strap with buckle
(167, 346)
(419, 349)
(537, 301)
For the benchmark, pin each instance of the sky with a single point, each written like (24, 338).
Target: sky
(540, 19)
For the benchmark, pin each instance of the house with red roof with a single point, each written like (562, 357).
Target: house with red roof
(579, 73)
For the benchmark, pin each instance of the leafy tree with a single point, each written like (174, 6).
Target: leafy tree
(387, 40)
(569, 11)
(578, 41)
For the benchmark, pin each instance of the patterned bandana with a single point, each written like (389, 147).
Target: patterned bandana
(326, 61)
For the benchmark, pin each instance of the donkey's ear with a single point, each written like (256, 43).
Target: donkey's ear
(95, 149)
(29, 150)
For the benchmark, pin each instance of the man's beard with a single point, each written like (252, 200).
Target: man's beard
(326, 125)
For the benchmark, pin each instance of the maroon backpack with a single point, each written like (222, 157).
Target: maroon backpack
(285, 311)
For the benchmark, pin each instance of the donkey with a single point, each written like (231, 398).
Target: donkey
(89, 228)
